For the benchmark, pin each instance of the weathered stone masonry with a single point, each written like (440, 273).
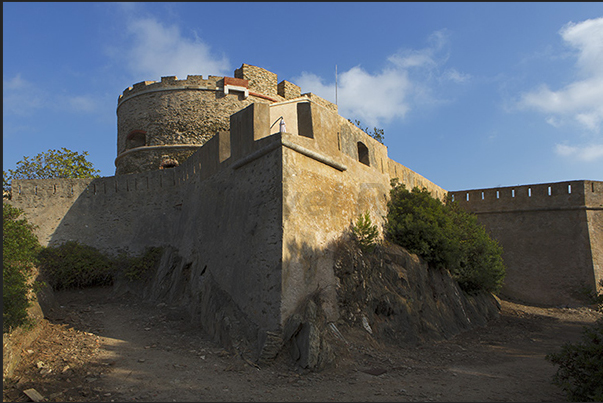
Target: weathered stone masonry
(247, 219)
(551, 234)
(249, 215)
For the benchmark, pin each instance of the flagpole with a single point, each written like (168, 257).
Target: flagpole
(335, 84)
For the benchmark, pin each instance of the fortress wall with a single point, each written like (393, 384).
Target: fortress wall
(98, 209)
(169, 83)
(221, 225)
(550, 234)
(593, 198)
(320, 203)
(179, 116)
(246, 127)
(229, 229)
(184, 112)
(288, 90)
(412, 179)
(321, 101)
(594, 218)
(511, 198)
(45, 202)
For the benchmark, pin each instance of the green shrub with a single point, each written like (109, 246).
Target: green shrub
(75, 265)
(445, 236)
(19, 249)
(365, 233)
(580, 372)
(136, 267)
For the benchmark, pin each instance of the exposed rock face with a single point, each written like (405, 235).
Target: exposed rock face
(403, 298)
(307, 336)
(394, 296)
(391, 294)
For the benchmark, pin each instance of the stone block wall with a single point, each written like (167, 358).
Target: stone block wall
(260, 80)
(186, 113)
(245, 219)
(288, 90)
(169, 116)
(551, 237)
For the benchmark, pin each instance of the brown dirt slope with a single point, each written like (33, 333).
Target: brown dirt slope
(94, 347)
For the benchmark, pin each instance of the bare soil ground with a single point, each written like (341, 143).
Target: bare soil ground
(98, 348)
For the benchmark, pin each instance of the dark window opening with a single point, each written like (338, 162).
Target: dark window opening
(136, 138)
(304, 120)
(363, 154)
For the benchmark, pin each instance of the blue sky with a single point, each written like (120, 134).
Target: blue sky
(470, 95)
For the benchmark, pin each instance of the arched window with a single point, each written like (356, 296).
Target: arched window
(136, 138)
(363, 154)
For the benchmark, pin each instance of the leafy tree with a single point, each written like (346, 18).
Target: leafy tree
(61, 163)
(19, 250)
(365, 233)
(446, 237)
(376, 133)
(5, 185)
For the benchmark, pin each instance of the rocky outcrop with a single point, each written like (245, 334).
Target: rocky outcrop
(401, 298)
(391, 294)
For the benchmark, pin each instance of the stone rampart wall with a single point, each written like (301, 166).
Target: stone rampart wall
(220, 223)
(547, 195)
(550, 233)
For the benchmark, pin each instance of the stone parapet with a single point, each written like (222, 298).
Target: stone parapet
(548, 196)
(288, 90)
(551, 235)
(260, 80)
(172, 82)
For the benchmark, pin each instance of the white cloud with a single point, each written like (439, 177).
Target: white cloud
(310, 82)
(374, 98)
(154, 49)
(587, 37)
(585, 153)
(15, 83)
(82, 103)
(20, 97)
(582, 100)
(370, 98)
(407, 80)
(455, 76)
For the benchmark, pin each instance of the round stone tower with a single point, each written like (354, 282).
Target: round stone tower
(160, 124)
(171, 119)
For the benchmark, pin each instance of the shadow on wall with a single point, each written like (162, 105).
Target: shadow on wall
(113, 214)
(388, 295)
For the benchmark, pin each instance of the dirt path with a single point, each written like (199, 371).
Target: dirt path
(96, 348)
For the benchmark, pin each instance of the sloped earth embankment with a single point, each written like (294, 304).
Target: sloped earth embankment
(95, 347)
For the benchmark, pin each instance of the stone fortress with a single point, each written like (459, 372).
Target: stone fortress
(247, 183)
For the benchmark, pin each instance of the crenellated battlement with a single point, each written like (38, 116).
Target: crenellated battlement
(550, 234)
(559, 195)
(172, 82)
(260, 179)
